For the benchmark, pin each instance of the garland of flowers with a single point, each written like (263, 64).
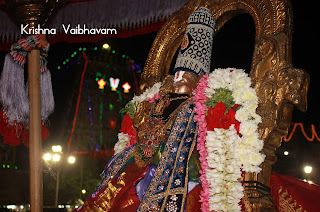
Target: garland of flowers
(228, 141)
(127, 135)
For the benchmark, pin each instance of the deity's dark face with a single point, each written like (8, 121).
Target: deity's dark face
(184, 82)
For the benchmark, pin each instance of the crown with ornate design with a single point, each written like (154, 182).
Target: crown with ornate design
(196, 47)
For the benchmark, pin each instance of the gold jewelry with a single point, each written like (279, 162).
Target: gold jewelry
(138, 160)
(152, 132)
(180, 97)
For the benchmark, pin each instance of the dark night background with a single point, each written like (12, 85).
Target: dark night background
(232, 47)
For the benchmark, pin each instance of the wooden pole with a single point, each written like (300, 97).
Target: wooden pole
(57, 187)
(35, 147)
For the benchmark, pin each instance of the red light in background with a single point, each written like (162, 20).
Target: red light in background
(113, 124)
(126, 87)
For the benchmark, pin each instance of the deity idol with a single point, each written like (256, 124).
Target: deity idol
(159, 168)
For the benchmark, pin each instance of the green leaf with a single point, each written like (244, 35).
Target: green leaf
(130, 109)
(221, 95)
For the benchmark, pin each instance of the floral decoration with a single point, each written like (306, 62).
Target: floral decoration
(228, 139)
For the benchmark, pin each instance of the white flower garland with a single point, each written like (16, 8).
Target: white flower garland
(149, 93)
(123, 139)
(225, 190)
(228, 153)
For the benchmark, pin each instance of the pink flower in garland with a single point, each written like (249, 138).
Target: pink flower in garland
(156, 96)
(199, 99)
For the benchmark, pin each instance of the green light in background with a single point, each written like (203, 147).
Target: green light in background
(111, 106)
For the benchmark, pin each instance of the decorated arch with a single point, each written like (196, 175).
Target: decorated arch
(280, 87)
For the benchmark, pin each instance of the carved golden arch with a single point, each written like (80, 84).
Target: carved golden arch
(279, 86)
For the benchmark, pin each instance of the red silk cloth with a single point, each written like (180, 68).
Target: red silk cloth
(291, 194)
(119, 194)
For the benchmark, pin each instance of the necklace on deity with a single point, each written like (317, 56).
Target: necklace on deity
(153, 130)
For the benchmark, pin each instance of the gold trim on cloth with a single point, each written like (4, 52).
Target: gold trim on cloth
(287, 203)
(149, 195)
(116, 165)
(185, 190)
(108, 196)
(105, 200)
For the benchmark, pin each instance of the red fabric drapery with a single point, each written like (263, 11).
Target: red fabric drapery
(291, 194)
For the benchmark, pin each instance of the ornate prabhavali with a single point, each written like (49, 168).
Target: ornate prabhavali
(278, 84)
